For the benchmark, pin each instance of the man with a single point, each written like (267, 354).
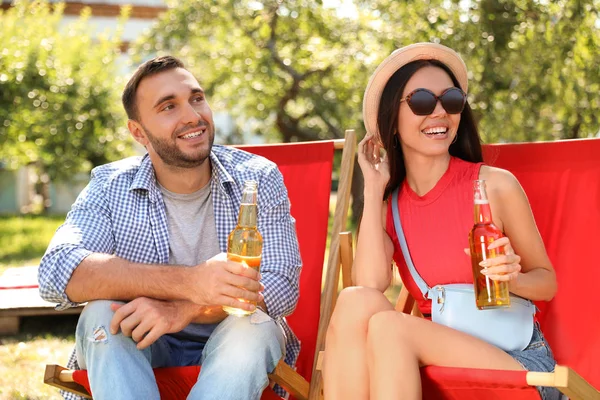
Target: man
(143, 245)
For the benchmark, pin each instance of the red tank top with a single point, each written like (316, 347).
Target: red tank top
(437, 227)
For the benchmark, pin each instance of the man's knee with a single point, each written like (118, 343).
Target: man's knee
(248, 340)
(93, 336)
(95, 314)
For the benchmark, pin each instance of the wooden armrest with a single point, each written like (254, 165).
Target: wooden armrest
(62, 378)
(290, 380)
(346, 257)
(320, 357)
(567, 381)
(405, 301)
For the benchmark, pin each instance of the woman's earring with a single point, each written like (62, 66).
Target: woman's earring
(396, 141)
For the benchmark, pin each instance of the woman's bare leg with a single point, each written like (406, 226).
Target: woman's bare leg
(345, 371)
(397, 344)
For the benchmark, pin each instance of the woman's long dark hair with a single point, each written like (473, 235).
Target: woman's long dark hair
(467, 145)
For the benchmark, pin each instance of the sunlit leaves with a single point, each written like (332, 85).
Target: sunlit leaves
(299, 77)
(59, 92)
(534, 66)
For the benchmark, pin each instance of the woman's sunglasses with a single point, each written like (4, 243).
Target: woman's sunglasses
(422, 101)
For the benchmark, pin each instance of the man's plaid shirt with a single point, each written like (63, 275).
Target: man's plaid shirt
(121, 212)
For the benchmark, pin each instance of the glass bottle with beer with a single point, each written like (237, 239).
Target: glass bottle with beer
(488, 293)
(244, 244)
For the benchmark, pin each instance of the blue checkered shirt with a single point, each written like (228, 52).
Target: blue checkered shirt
(121, 212)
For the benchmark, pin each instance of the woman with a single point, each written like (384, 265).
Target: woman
(415, 108)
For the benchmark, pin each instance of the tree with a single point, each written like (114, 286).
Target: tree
(289, 70)
(59, 100)
(533, 64)
(296, 70)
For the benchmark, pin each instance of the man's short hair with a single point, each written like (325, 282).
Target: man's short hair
(149, 68)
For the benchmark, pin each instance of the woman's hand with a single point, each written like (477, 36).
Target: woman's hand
(505, 267)
(375, 168)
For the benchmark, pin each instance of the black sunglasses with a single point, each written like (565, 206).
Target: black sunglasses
(423, 101)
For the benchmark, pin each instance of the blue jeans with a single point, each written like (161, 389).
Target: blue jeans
(537, 356)
(235, 360)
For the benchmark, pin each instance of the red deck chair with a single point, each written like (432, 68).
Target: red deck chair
(307, 172)
(562, 182)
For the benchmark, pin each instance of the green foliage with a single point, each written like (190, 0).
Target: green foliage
(296, 70)
(290, 70)
(42, 340)
(59, 96)
(533, 65)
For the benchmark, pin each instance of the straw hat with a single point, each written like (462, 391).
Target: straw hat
(395, 61)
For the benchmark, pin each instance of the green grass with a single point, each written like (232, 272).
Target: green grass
(42, 340)
(23, 357)
(24, 239)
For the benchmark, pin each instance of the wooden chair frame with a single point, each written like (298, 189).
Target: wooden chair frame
(284, 375)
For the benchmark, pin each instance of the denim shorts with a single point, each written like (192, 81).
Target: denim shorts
(538, 357)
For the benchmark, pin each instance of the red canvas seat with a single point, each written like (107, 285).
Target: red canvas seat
(307, 172)
(562, 182)
(475, 384)
(173, 383)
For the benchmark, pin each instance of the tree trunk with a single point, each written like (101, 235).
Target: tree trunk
(574, 133)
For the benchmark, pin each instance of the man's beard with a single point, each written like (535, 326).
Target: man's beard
(171, 155)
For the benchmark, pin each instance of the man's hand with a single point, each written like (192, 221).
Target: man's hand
(145, 320)
(225, 283)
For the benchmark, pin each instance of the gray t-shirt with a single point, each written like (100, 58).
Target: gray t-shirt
(192, 240)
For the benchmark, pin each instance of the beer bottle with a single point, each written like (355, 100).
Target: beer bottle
(244, 244)
(488, 293)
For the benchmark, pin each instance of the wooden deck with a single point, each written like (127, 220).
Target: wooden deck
(19, 297)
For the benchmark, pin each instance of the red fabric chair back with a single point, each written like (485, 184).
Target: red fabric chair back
(174, 383)
(562, 182)
(306, 170)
